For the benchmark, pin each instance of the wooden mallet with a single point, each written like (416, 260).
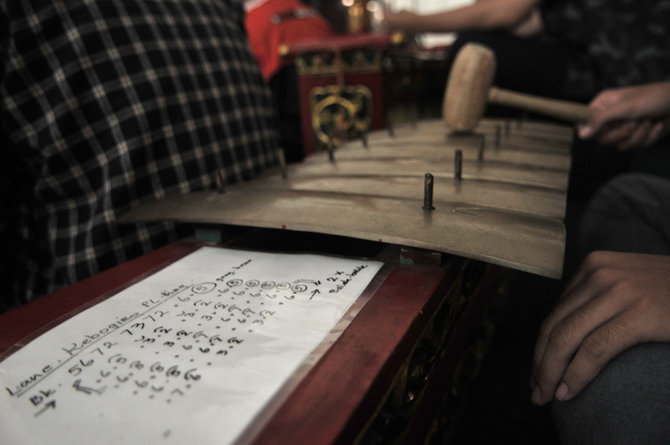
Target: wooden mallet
(470, 88)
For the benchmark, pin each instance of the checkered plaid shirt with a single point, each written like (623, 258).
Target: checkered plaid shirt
(105, 104)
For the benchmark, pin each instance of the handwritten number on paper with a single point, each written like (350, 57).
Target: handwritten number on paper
(77, 368)
(85, 389)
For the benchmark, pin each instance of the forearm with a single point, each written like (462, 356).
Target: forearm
(654, 103)
(481, 15)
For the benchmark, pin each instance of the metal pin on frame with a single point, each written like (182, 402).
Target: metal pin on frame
(331, 150)
(458, 164)
(364, 137)
(480, 148)
(282, 163)
(389, 125)
(428, 192)
(331, 145)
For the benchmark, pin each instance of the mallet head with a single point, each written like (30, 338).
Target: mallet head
(468, 86)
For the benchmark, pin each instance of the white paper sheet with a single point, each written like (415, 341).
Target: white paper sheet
(188, 355)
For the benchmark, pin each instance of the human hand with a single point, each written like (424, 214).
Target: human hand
(629, 117)
(629, 135)
(614, 301)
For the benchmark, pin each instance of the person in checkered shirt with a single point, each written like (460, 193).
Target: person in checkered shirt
(104, 105)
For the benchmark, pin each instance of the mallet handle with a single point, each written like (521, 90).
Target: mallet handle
(560, 109)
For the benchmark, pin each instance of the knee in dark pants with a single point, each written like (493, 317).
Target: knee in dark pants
(628, 214)
(627, 403)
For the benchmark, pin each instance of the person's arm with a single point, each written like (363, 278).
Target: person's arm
(481, 15)
(614, 301)
(532, 25)
(629, 117)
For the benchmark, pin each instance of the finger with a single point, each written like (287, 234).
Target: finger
(638, 136)
(566, 337)
(595, 352)
(569, 303)
(593, 126)
(585, 131)
(604, 107)
(629, 261)
(586, 268)
(615, 133)
(571, 298)
(657, 131)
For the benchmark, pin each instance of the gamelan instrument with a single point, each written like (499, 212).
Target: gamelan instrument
(497, 194)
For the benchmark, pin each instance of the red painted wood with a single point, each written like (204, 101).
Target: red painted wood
(339, 395)
(337, 45)
(460, 338)
(344, 390)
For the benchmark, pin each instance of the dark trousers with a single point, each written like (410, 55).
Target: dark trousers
(627, 403)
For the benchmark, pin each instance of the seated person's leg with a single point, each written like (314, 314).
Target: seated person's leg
(631, 213)
(627, 403)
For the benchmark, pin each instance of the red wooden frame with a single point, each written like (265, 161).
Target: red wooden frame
(337, 398)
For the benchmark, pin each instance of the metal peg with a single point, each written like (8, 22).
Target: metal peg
(331, 150)
(458, 164)
(480, 149)
(331, 145)
(364, 137)
(389, 125)
(428, 192)
(282, 162)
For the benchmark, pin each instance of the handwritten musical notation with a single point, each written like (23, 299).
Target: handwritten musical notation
(191, 354)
